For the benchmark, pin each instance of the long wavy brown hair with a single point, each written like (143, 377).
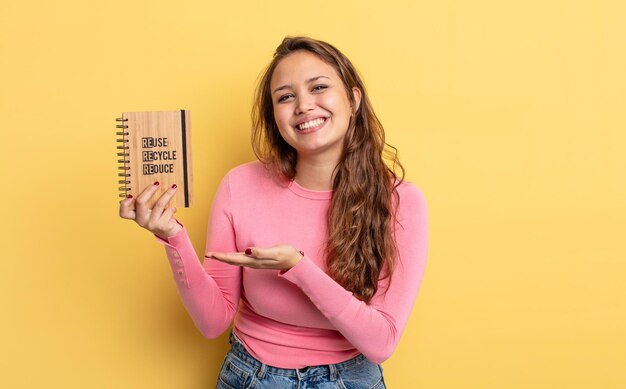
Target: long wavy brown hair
(361, 244)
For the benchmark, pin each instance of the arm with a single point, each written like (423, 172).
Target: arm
(210, 292)
(374, 329)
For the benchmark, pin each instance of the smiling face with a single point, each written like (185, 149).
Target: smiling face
(311, 107)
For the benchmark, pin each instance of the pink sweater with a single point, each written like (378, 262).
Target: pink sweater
(302, 317)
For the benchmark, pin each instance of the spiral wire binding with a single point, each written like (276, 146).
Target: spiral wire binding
(124, 161)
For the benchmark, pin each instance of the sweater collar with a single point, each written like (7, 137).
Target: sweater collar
(308, 193)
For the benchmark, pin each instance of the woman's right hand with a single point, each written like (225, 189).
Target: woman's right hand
(158, 219)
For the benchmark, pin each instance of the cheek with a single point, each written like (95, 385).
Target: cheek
(339, 105)
(280, 116)
(330, 101)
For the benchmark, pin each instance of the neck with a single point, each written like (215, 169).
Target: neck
(315, 172)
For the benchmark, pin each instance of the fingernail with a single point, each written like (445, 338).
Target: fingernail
(157, 183)
(129, 196)
(174, 186)
(248, 251)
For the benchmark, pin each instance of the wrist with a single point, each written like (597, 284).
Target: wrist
(297, 259)
(174, 231)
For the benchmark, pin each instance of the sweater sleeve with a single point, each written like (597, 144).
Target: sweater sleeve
(375, 328)
(209, 291)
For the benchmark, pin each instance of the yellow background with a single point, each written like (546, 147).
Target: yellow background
(508, 115)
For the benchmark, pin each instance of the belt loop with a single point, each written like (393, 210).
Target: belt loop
(333, 372)
(230, 337)
(260, 374)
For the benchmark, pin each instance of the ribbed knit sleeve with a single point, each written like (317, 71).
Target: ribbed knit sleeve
(210, 291)
(374, 328)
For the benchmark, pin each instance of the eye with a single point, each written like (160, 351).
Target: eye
(320, 87)
(284, 98)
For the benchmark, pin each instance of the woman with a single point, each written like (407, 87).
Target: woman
(317, 250)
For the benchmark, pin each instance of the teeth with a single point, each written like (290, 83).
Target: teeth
(312, 123)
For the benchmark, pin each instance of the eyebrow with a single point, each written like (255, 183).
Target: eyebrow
(307, 81)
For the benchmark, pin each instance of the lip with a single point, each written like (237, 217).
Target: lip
(308, 119)
(311, 129)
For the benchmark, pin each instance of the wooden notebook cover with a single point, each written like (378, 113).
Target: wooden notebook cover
(159, 149)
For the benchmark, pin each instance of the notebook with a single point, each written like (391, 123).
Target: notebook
(155, 146)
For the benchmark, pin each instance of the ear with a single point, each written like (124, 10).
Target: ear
(356, 92)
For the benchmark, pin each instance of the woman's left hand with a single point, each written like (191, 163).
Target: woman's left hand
(280, 257)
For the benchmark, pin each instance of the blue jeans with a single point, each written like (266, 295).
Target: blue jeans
(241, 370)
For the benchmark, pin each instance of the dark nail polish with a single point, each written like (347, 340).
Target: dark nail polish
(129, 196)
(174, 186)
(248, 251)
(157, 183)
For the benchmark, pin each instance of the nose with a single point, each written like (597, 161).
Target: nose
(305, 103)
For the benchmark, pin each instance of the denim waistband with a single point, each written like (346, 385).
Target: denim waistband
(240, 352)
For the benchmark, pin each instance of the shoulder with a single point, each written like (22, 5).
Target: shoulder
(411, 199)
(248, 170)
(408, 190)
(250, 177)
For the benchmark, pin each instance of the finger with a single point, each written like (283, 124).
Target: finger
(127, 208)
(167, 217)
(236, 259)
(223, 257)
(260, 252)
(257, 264)
(158, 209)
(230, 257)
(145, 196)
